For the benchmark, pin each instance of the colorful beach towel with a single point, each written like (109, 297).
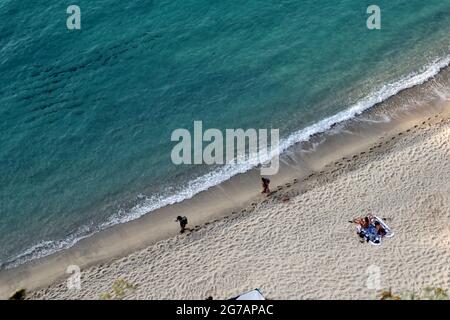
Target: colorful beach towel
(370, 233)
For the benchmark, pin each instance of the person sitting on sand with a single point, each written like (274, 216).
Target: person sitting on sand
(265, 185)
(183, 222)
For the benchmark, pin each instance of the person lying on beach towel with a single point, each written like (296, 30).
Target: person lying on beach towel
(370, 229)
(265, 185)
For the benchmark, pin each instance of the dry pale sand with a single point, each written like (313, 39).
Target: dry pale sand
(298, 244)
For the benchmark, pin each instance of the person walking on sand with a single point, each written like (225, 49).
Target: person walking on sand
(183, 222)
(265, 185)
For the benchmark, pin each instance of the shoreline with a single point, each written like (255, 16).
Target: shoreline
(439, 69)
(302, 161)
(269, 234)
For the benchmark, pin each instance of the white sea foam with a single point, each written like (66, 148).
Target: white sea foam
(224, 173)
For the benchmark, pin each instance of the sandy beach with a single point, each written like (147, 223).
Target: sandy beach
(297, 243)
(165, 115)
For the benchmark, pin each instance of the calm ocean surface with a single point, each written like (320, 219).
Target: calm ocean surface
(86, 116)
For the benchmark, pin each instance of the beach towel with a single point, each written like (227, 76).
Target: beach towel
(370, 233)
(388, 230)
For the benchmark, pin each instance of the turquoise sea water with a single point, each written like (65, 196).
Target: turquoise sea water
(86, 116)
